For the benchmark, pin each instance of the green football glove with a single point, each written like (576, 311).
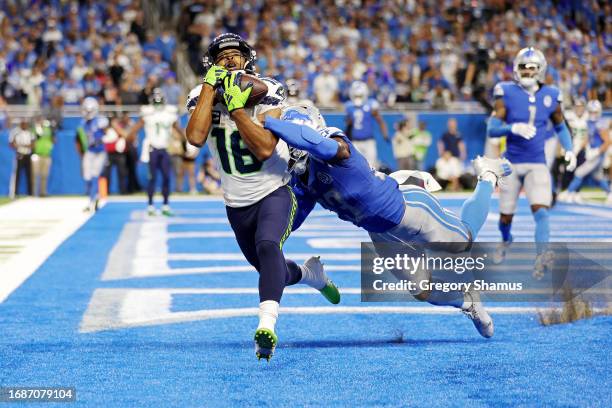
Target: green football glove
(235, 98)
(215, 76)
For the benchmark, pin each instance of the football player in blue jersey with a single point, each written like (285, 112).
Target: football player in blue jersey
(361, 112)
(596, 148)
(339, 178)
(522, 110)
(90, 146)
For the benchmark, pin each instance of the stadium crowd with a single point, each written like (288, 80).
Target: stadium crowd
(58, 52)
(412, 51)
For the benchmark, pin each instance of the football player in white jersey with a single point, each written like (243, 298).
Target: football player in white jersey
(158, 120)
(254, 176)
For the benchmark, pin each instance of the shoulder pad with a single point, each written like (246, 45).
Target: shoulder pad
(103, 122)
(192, 98)
(498, 90)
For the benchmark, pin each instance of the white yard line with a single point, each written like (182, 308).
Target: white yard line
(67, 216)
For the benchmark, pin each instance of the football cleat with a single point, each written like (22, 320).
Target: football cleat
(151, 210)
(544, 264)
(314, 276)
(166, 211)
(500, 251)
(478, 315)
(265, 343)
(609, 199)
(498, 167)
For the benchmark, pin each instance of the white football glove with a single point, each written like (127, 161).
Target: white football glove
(523, 130)
(570, 161)
(591, 154)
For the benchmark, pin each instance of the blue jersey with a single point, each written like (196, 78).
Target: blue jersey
(350, 188)
(522, 107)
(94, 130)
(595, 139)
(362, 119)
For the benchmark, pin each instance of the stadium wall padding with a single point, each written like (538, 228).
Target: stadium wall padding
(65, 176)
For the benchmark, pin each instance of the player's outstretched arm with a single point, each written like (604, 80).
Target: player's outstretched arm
(200, 121)
(496, 127)
(304, 138)
(565, 138)
(260, 141)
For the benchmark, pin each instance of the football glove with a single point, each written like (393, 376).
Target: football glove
(570, 161)
(523, 130)
(215, 76)
(234, 96)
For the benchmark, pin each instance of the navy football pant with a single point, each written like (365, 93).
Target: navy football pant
(159, 159)
(261, 229)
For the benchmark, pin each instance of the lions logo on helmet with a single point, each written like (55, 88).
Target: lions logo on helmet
(594, 108)
(302, 114)
(529, 67)
(358, 93)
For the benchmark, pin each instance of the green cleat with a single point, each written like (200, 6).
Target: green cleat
(166, 211)
(265, 343)
(151, 211)
(331, 292)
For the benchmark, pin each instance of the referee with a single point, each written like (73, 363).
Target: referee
(21, 139)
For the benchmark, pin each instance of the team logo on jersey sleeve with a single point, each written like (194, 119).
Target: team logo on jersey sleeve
(547, 101)
(324, 177)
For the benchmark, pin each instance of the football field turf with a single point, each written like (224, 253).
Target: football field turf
(151, 311)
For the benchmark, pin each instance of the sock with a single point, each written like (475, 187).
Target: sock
(542, 230)
(93, 190)
(505, 231)
(475, 209)
(294, 273)
(268, 313)
(575, 184)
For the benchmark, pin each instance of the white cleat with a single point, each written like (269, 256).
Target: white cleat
(544, 264)
(500, 252)
(565, 197)
(577, 198)
(478, 314)
(314, 276)
(609, 199)
(497, 167)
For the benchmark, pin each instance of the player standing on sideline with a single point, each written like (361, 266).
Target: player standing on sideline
(338, 177)
(596, 147)
(259, 202)
(577, 119)
(521, 112)
(90, 145)
(158, 120)
(361, 112)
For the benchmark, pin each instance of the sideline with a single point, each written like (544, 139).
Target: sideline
(31, 229)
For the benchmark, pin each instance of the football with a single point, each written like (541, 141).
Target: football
(260, 89)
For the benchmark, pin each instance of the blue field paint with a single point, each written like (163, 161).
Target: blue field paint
(326, 360)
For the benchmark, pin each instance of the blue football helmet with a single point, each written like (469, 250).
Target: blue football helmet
(529, 67)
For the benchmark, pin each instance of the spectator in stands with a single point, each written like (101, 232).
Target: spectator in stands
(326, 88)
(172, 90)
(41, 160)
(452, 152)
(411, 145)
(22, 139)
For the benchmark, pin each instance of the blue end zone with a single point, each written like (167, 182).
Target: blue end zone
(323, 359)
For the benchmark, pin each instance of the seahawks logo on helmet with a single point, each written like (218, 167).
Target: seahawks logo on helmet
(230, 41)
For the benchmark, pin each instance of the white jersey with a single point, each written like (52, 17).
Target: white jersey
(579, 128)
(244, 179)
(158, 122)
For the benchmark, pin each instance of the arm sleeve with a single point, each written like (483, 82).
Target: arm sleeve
(564, 136)
(303, 137)
(497, 128)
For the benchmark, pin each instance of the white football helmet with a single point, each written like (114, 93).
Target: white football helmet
(529, 67)
(358, 92)
(594, 108)
(90, 108)
(304, 114)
